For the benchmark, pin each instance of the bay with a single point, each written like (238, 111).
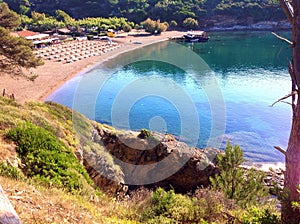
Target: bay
(203, 93)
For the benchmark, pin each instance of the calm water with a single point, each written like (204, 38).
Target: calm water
(204, 93)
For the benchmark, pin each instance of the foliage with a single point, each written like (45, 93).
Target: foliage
(47, 159)
(126, 28)
(246, 186)
(139, 10)
(8, 19)
(55, 131)
(168, 207)
(213, 204)
(64, 17)
(190, 23)
(145, 133)
(154, 27)
(257, 215)
(9, 171)
(15, 52)
(173, 23)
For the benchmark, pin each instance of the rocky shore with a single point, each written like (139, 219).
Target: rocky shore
(229, 23)
(157, 160)
(134, 159)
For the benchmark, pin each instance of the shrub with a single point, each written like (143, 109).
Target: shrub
(126, 28)
(213, 204)
(9, 171)
(47, 159)
(246, 186)
(144, 134)
(154, 27)
(190, 23)
(168, 207)
(173, 24)
(257, 215)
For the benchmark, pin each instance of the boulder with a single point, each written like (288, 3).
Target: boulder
(151, 159)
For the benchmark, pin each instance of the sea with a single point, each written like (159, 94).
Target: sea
(205, 94)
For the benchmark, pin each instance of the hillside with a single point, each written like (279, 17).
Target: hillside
(52, 166)
(206, 11)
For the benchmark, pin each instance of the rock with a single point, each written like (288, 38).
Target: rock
(229, 22)
(157, 160)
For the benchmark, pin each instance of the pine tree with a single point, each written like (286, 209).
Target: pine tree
(15, 52)
(246, 186)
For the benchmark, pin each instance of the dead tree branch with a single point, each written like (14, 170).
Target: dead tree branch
(280, 149)
(282, 38)
(285, 97)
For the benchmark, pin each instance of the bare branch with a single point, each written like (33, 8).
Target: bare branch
(280, 149)
(287, 9)
(287, 103)
(282, 38)
(285, 97)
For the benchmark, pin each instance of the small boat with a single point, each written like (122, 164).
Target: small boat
(199, 36)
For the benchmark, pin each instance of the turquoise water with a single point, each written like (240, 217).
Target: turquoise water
(204, 93)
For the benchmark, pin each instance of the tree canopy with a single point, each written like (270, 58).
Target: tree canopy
(164, 10)
(15, 52)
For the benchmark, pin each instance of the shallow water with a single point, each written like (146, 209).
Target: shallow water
(204, 93)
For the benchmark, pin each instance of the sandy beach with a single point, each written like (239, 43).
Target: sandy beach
(53, 74)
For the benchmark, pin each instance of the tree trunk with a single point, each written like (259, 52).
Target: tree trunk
(292, 173)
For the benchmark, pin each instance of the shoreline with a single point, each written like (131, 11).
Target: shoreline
(52, 75)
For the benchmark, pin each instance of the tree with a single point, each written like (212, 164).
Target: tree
(292, 154)
(190, 23)
(15, 53)
(246, 186)
(8, 19)
(173, 23)
(154, 27)
(64, 17)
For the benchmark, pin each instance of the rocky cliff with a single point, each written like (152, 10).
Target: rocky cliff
(147, 159)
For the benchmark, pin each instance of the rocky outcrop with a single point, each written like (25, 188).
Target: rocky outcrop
(226, 23)
(148, 159)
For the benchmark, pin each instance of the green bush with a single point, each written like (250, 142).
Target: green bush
(168, 207)
(9, 171)
(144, 134)
(259, 216)
(246, 186)
(190, 23)
(47, 159)
(126, 28)
(154, 27)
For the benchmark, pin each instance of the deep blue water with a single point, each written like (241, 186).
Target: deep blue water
(204, 93)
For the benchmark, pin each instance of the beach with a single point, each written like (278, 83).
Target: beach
(54, 74)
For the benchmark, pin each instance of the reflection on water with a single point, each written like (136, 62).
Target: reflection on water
(249, 69)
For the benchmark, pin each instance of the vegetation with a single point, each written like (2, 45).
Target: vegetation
(15, 52)
(164, 10)
(290, 214)
(47, 159)
(246, 186)
(190, 23)
(154, 27)
(145, 133)
(9, 171)
(46, 143)
(204, 206)
(42, 22)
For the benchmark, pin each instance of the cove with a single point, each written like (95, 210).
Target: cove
(203, 93)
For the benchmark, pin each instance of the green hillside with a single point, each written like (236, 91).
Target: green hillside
(165, 10)
(48, 184)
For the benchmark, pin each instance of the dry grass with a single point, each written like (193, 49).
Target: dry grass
(36, 204)
(7, 151)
